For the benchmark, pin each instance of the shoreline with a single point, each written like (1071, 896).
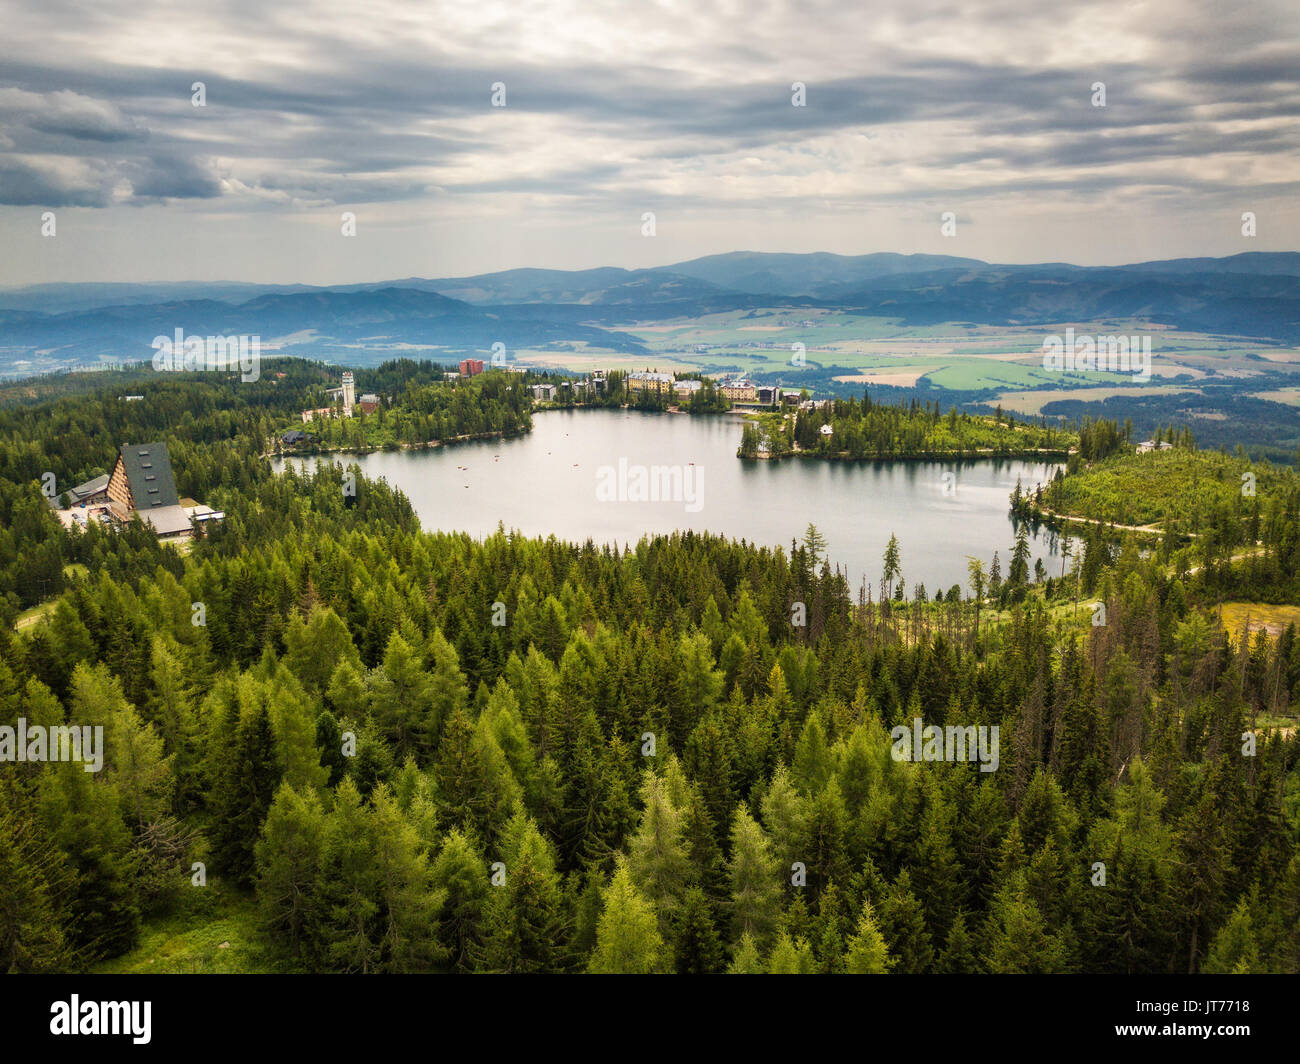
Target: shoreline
(470, 438)
(428, 445)
(982, 454)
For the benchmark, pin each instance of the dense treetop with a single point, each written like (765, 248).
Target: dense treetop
(416, 751)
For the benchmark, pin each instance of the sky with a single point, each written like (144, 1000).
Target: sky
(612, 110)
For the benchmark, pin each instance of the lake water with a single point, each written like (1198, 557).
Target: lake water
(552, 482)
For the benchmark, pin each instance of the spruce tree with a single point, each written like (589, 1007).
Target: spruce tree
(867, 953)
(627, 935)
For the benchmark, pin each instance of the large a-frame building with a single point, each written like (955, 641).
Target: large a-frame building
(142, 483)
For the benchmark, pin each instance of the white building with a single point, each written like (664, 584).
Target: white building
(349, 394)
(1147, 446)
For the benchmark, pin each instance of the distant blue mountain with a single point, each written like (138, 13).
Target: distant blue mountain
(1255, 294)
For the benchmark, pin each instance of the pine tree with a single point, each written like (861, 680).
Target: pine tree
(700, 839)
(1016, 936)
(904, 928)
(746, 960)
(812, 762)
(1235, 950)
(295, 732)
(245, 789)
(172, 711)
(401, 699)
(627, 935)
(349, 925)
(448, 691)
(959, 956)
(867, 953)
(823, 849)
(288, 857)
(317, 649)
(696, 684)
(459, 774)
(892, 570)
(83, 818)
(329, 743)
(657, 859)
(460, 873)
(37, 886)
(523, 920)
(755, 881)
(791, 957)
(696, 945)
(814, 543)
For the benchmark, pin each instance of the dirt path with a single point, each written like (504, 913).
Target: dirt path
(1150, 529)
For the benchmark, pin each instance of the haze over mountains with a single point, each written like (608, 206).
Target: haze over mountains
(1252, 295)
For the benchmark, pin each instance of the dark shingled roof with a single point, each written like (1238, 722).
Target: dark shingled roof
(149, 472)
(91, 487)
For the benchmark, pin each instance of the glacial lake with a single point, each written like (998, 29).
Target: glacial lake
(551, 482)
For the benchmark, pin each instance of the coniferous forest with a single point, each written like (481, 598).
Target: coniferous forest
(590, 490)
(361, 747)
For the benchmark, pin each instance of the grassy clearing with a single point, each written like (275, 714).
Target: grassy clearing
(1260, 615)
(219, 937)
(1032, 402)
(37, 613)
(1290, 396)
(42, 610)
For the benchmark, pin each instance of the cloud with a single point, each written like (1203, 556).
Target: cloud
(175, 178)
(614, 108)
(50, 183)
(67, 114)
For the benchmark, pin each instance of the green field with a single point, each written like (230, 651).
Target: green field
(219, 937)
(952, 356)
(1261, 616)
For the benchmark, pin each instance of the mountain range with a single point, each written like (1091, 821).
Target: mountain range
(1254, 294)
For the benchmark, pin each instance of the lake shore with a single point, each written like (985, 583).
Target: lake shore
(547, 482)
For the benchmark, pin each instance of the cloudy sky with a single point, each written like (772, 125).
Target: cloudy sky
(616, 108)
